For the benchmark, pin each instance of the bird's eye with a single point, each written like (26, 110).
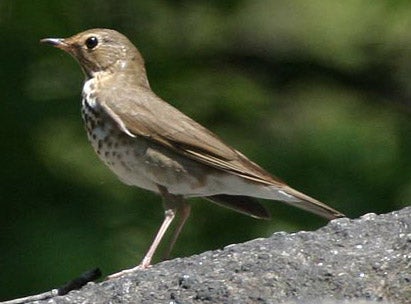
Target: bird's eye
(91, 42)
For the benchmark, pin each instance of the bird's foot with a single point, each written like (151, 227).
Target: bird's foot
(128, 271)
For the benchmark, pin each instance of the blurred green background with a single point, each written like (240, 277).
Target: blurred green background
(317, 92)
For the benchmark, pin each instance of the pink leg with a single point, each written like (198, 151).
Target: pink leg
(169, 215)
(168, 218)
(184, 213)
(172, 204)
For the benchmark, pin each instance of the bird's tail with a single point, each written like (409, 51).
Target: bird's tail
(305, 202)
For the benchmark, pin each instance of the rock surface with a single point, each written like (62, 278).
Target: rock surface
(363, 259)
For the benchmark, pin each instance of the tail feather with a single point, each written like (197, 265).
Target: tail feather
(243, 204)
(310, 204)
(247, 202)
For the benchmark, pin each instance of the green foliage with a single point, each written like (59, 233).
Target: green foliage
(318, 93)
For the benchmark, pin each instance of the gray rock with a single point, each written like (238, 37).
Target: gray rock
(356, 260)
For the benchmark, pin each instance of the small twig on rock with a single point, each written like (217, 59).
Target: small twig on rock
(74, 284)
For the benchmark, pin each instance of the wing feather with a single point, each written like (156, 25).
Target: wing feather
(139, 112)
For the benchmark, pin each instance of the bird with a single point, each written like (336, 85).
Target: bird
(150, 144)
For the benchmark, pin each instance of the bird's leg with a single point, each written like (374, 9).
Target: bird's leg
(184, 212)
(169, 215)
(172, 203)
(146, 262)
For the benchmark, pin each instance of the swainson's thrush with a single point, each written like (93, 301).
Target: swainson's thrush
(150, 144)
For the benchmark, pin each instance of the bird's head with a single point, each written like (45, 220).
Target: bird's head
(101, 50)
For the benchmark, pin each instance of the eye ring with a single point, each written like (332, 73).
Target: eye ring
(91, 42)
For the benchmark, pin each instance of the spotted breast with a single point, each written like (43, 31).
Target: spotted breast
(135, 160)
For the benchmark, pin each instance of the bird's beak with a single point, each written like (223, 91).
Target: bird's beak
(56, 42)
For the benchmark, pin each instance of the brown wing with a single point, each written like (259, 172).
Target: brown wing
(139, 112)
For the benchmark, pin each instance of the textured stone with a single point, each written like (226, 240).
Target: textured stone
(348, 260)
